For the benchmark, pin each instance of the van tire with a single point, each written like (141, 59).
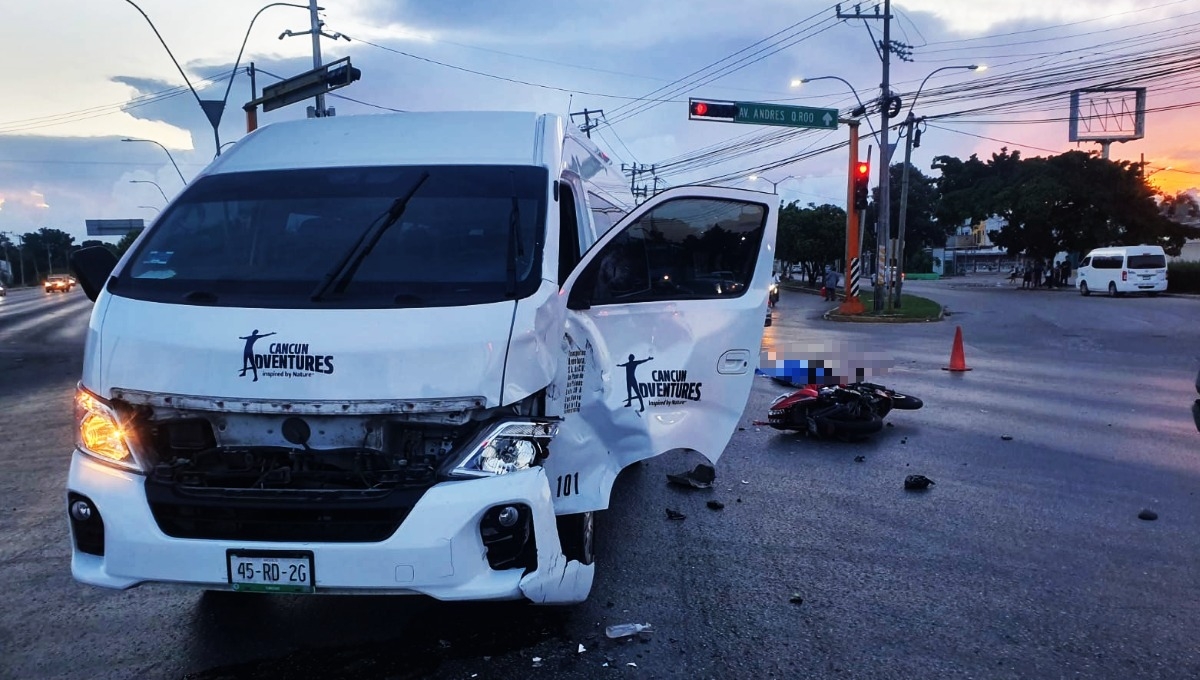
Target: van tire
(577, 535)
(1083, 289)
(1112, 289)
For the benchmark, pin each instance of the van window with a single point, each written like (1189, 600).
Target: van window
(1147, 261)
(469, 235)
(568, 232)
(604, 214)
(1107, 261)
(1086, 262)
(683, 249)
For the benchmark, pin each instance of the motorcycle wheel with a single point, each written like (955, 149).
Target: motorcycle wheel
(905, 402)
(849, 430)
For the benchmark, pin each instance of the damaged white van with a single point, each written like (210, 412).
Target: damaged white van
(403, 354)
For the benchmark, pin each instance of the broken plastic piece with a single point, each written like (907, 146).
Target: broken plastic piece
(796, 598)
(1148, 515)
(675, 514)
(917, 482)
(859, 459)
(715, 505)
(621, 630)
(582, 649)
(701, 477)
(1006, 437)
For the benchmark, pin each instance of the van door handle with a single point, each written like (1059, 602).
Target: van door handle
(734, 362)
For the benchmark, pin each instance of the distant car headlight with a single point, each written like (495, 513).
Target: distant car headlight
(506, 447)
(100, 432)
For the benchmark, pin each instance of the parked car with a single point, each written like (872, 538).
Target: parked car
(57, 283)
(3, 290)
(1123, 269)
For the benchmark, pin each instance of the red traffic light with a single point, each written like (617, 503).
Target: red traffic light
(863, 169)
(712, 109)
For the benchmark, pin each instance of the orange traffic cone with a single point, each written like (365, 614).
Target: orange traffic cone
(957, 361)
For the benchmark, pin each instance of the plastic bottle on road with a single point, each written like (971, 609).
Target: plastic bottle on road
(626, 629)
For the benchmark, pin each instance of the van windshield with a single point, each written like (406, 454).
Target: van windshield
(269, 238)
(1147, 261)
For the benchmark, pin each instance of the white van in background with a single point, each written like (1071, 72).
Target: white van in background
(1123, 269)
(403, 353)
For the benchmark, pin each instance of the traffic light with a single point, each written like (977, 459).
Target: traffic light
(342, 76)
(862, 176)
(702, 108)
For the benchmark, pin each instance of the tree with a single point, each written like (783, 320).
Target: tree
(1071, 202)
(812, 237)
(922, 229)
(127, 240)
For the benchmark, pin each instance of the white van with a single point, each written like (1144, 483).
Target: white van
(1123, 269)
(403, 354)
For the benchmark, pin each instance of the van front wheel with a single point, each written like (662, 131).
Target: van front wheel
(1083, 289)
(577, 535)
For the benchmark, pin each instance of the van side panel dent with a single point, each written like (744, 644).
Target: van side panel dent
(533, 347)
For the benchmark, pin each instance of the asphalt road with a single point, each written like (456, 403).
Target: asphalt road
(1025, 559)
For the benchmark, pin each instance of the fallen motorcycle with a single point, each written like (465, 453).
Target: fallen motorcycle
(848, 412)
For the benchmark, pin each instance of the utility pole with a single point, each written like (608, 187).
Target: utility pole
(909, 126)
(634, 171)
(588, 125)
(316, 46)
(883, 232)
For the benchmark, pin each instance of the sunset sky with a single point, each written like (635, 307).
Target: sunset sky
(84, 75)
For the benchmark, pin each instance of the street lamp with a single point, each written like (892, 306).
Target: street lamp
(212, 108)
(150, 207)
(774, 185)
(151, 141)
(909, 123)
(146, 181)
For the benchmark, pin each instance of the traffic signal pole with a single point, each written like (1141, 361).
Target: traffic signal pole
(851, 304)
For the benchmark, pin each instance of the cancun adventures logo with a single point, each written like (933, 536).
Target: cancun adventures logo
(665, 388)
(282, 359)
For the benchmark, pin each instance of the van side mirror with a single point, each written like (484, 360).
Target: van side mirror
(92, 266)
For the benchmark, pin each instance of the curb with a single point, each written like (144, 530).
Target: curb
(833, 316)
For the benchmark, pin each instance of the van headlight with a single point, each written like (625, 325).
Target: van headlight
(507, 447)
(100, 433)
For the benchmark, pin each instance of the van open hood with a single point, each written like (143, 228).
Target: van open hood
(302, 355)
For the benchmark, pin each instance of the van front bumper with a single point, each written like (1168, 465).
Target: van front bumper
(437, 550)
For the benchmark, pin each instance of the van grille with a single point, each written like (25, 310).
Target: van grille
(279, 516)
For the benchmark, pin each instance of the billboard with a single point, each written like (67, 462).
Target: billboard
(112, 227)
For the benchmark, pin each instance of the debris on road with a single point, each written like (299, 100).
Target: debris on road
(675, 514)
(700, 477)
(917, 482)
(1006, 437)
(1148, 515)
(889, 425)
(537, 662)
(623, 630)
(582, 649)
(796, 598)
(904, 440)
(859, 459)
(716, 505)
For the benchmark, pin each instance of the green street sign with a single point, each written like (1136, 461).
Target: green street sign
(787, 116)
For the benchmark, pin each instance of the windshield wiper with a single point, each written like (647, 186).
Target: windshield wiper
(340, 276)
(515, 248)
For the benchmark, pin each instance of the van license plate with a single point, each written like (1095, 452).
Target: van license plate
(270, 571)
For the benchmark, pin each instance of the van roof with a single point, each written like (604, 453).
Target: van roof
(1140, 249)
(428, 138)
